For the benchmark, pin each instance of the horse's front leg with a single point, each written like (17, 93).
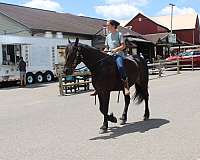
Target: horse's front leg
(123, 119)
(104, 98)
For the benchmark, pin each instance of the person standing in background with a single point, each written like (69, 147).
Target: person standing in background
(22, 69)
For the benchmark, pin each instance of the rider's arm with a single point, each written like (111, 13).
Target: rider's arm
(120, 48)
(106, 49)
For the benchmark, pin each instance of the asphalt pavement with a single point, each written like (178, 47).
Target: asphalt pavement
(36, 123)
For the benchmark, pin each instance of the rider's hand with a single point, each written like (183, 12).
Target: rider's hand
(114, 50)
(105, 50)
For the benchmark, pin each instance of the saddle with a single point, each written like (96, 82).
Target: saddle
(136, 59)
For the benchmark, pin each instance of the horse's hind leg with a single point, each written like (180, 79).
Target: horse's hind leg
(123, 119)
(146, 99)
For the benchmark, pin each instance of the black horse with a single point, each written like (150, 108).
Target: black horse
(105, 77)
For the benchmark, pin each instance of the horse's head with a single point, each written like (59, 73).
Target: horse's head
(72, 57)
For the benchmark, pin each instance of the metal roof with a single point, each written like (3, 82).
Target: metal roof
(179, 22)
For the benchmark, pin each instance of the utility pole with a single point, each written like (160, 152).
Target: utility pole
(172, 5)
(172, 38)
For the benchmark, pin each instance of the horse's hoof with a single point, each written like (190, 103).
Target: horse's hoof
(146, 118)
(103, 129)
(122, 121)
(112, 118)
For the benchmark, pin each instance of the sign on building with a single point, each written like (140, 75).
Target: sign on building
(172, 38)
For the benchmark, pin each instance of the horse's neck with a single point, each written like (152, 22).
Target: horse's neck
(91, 58)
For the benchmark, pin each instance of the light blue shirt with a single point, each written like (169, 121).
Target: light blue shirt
(114, 40)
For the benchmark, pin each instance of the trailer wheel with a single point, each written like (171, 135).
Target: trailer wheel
(48, 75)
(29, 78)
(39, 77)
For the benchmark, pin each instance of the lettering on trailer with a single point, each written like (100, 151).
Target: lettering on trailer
(26, 55)
(53, 57)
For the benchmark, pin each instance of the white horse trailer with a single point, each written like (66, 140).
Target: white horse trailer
(40, 54)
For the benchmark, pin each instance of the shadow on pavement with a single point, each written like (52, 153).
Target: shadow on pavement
(10, 86)
(141, 126)
(78, 92)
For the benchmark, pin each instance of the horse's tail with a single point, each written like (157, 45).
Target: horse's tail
(141, 86)
(139, 95)
(145, 67)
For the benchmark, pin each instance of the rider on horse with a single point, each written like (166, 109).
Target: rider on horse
(105, 76)
(114, 46)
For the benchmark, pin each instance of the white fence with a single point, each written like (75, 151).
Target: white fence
(159, 67)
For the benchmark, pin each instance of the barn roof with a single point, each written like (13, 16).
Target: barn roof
(155, 37)
(159, 37)
(38, 19)
(49, 20)
(179, 22)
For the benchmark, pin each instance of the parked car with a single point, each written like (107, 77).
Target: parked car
(187, 57)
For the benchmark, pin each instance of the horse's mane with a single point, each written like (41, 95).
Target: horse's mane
(91, 49)
(88, 47)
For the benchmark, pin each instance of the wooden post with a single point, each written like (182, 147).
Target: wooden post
(192, 63)
(178, 66)
(61, 85)
(160, 69)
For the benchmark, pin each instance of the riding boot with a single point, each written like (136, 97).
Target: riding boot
(94, 93)
(126, 87)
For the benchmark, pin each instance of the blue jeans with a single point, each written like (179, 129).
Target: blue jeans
(120, 65)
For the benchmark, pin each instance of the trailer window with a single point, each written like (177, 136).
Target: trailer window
(11, 54)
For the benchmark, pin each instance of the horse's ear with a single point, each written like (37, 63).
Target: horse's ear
(69, 40)
(76, 42)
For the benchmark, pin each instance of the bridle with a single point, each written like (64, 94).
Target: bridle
(78, 58)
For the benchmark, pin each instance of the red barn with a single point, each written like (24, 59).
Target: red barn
(186, 27)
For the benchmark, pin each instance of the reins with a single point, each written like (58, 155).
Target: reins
(80, 55)
(100, 60)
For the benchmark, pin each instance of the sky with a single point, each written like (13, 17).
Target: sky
(121, 10)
